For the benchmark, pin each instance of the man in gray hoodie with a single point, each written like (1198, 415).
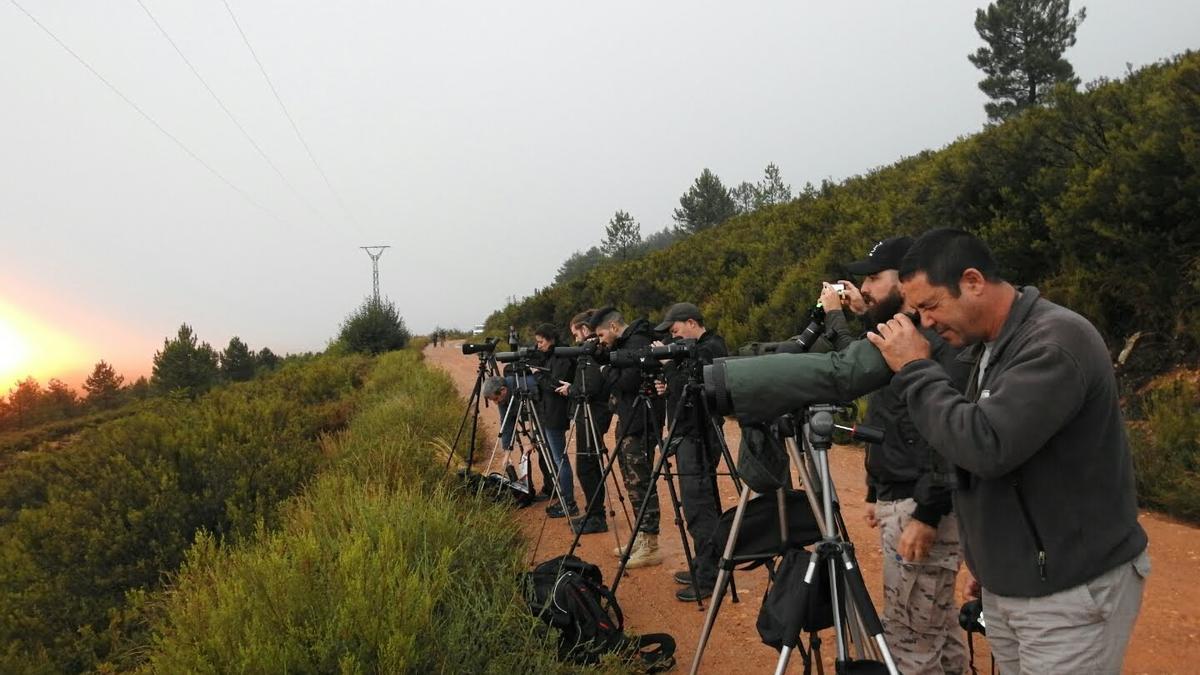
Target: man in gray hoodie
(1045, 496)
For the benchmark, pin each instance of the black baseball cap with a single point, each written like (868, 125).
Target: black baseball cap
(884, 255)
(680, 311)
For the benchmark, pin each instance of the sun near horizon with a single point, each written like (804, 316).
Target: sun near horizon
(32, 348)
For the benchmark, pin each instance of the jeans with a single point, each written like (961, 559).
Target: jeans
(557, 440)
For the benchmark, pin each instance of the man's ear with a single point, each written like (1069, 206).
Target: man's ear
(972, 282)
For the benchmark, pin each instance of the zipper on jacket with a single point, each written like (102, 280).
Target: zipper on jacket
(1037, 539)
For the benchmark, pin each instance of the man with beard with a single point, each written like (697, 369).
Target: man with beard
(908, 484)
(638, 429)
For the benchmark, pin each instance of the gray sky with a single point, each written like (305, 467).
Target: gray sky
(484, 141)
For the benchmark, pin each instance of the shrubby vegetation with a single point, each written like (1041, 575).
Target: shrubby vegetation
(374, 328)
(87, 531)
(1166, 449)
(1092, 198)
(378, 567)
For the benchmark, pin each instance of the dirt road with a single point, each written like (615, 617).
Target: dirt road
(1164, 641)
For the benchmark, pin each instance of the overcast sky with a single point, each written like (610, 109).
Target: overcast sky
(484, 141)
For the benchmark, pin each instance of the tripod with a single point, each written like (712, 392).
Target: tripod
(692, 403)
(595, 449)
(854, 617)
(487, 367)
(528, 435)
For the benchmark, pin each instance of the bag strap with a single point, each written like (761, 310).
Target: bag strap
(656, 651)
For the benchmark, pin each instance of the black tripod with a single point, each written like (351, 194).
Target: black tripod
(854, 617)
(487, 367)
(528, 435)
(691, 403)
(595, 451)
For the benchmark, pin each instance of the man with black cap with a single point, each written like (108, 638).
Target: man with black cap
(908, 484)
(695, 445)
(638, 429)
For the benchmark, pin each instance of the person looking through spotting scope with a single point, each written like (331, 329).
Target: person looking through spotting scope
(552, 373)
(638, 429)
(908, 483)
(1045, 491)
(590, 391)
(697, 459)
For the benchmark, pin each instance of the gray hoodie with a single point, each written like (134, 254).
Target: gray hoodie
(1046, 495)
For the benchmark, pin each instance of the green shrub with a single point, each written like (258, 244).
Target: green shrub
(106, 516)
(1166, 450)
(380, 566)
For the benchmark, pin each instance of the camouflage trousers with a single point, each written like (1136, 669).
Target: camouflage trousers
(636, 456)
(920, 619)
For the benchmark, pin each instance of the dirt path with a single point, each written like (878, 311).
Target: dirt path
(1164, 641)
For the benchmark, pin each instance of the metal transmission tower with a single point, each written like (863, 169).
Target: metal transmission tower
(375, 252)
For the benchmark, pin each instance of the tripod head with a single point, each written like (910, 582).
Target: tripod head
(821, 425)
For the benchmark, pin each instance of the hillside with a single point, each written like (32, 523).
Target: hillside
(1093, 199)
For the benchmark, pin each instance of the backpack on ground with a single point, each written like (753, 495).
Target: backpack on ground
(569, 594)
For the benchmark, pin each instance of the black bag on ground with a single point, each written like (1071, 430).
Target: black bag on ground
(569, 594)
(758, 539)
(783, 599)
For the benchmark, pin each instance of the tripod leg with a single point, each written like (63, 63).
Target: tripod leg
(687, 549)
(723, 576)
(862, 603)
(794, 622)
(472, 404)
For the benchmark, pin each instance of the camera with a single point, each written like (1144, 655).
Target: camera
(676, 351)
(634, 358)
(587, 348)
(840, 288)
(487, 346)
(521, 354)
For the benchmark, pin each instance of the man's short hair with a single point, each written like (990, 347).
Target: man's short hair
(548, 331)
(606, 316)
(492, 386)
(944, 254)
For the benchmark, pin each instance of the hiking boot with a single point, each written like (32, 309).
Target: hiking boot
(620, 550)
(555, 510)
(683, 577)
(688, 594)
(588, 525)
(645, 552)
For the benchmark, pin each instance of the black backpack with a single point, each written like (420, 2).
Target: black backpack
(503, 488)
(569, 594)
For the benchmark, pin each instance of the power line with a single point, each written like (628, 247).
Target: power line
(278, 99)
(296, 193)
(245, 195)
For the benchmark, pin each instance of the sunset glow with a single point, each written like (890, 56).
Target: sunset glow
(29, 347)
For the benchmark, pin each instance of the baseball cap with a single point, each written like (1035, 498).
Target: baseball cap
(884, 255)
(680, 311)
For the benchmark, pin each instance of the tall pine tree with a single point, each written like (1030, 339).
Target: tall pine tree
(1023, 59)
(705, 204)
(621, 236)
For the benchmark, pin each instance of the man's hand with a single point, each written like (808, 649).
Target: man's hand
(853, 297)
(916, 540)
(869, 515)
(661, 387)
(900, 342)
(972, 587)
(830, 300)
(563, 389)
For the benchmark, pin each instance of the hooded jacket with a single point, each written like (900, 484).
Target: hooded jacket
(1045, 494)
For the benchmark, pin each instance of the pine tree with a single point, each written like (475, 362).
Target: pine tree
(184, 364)
(706, 204)
(237, 361)
(375, 327)
(103, 386)
(1023, 58)
(621, 236)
